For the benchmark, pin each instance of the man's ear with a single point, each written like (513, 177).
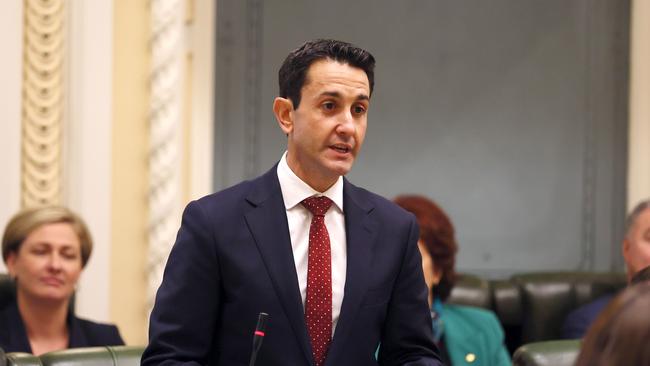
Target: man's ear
(626, 247)
(283, 110)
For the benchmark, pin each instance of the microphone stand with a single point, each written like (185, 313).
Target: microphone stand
(258, 336)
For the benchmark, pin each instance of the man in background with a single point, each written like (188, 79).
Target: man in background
(636, 253)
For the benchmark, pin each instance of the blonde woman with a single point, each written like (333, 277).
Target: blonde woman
(45, 250)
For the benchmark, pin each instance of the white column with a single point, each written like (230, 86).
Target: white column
(639, 131)
(87, 153)
(166, 131)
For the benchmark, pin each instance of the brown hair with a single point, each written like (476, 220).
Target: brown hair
(28, 220)
(437, 234)
(620, 334)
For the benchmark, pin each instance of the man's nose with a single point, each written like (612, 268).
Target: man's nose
(346, 123)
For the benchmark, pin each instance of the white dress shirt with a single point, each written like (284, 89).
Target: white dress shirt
(294, 190)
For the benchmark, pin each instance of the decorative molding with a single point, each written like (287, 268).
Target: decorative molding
(202, 102)
(589, 163)
(43, 102)
(604, 166)
(165, 135)
(224, 80)
(621, 125)
(253, 86)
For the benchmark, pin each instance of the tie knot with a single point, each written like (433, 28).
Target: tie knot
(318, 206)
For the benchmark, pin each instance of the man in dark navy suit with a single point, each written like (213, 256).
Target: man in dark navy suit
(336, 267)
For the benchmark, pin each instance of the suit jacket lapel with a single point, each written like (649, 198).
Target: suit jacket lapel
(360, 235)
(267, 222)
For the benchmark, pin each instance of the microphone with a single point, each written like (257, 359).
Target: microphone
(258, 336)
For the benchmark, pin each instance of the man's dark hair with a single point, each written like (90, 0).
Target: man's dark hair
(293, 71)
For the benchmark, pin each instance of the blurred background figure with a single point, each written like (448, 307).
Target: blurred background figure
(641, 276)
(464, 334)
(636, 252)
(620, 334)
(45, 250)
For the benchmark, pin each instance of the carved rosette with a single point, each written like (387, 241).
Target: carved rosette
(165, 124)
(43, 102)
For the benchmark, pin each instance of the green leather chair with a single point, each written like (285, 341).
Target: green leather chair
(22, 359)
(547, 353)
(547, 298)
(91, 356)
(94, 356)
(532, 306)
(472, 290)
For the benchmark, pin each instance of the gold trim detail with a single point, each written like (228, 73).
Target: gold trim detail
(42, 102)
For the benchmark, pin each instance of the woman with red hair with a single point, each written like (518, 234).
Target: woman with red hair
(465, 335)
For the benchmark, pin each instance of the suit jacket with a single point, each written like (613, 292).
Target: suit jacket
(83, 333)
(233, 259)
(579, 320)
(473, 336)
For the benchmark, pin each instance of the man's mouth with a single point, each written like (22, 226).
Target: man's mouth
(344, 149)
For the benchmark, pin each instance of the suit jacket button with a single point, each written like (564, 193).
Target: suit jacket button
(470, 357)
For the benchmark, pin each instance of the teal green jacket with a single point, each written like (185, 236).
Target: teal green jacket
(473, 336)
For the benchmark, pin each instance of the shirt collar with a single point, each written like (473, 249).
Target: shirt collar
(295, 190)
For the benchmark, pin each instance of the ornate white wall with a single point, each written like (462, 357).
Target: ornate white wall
(43, 104)
(11, 18)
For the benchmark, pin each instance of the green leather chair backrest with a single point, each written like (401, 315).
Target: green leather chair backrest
(471, 290)
(547, 353)
(127, 355)
(532, 306)
(95, 356)
(92, 356)
(549, 297)
(22, 359)
(510, 311)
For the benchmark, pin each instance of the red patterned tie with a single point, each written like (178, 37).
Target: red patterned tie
(318, 308)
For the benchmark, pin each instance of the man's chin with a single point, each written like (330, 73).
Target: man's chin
(341, 169)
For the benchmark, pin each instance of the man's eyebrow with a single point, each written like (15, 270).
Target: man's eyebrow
(336, 94)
